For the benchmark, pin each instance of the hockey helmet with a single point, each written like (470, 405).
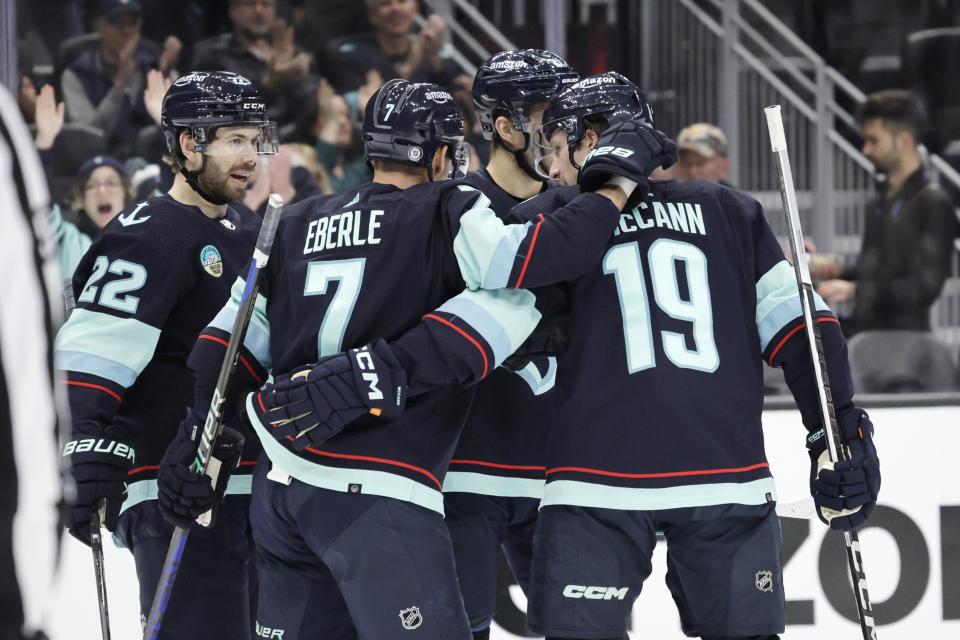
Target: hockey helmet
(608, 96)
(205, 100)
(510, 82)
(406, 122)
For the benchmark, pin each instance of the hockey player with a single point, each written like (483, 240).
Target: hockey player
(492, 490)
(151, 281)
(348, 525)
(659, 424)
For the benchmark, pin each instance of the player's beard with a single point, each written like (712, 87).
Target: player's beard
(216, 181)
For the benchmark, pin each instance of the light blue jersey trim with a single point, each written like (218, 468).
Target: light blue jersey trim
(488, 485)
(257, 338)
(143, 490)
(504, 318)
(378, 483)
(778, 301)
(126, 343)
(486, 247)
(539, 384)
(589, 494)
(96, 365)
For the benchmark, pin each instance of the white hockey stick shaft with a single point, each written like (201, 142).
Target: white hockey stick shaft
(778, 141)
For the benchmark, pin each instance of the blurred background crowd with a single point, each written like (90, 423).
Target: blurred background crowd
(90, 76)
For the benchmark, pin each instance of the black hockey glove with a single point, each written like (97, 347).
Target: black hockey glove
(100, 461)
(632, 149)
(314, 403)
(182, 494)
(845, 492)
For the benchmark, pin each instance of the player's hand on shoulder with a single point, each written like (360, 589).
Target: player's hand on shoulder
(183, 494)
(100, 459)
(632, 149)
(314, 403)
(845, 492)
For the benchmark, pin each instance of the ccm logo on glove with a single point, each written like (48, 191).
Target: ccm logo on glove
(100, 446)
(365, 363)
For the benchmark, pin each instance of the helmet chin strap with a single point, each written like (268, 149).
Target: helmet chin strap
(521, 159)
(191, 178)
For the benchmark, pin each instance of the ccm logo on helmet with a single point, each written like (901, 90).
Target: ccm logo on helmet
(259, 106)
(577, 591)
(365, 362)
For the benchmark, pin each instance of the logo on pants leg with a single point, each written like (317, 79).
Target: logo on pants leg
(764, 580)
(411, 618)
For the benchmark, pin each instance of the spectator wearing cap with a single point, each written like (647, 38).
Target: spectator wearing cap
(392, 51)
(261, 47)
(702, 154)
(102, 191)
(104, 87)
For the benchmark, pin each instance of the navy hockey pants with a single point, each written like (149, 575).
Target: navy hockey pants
(215, 592)
(335, 565)
(723, 569)
(479, 525)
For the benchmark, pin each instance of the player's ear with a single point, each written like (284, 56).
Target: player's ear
(589, 140)
(439, 162)
(188, 147)
(504, 127)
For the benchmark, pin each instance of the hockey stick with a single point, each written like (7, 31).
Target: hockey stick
(213, 424)
(96, 544)
(778, 141)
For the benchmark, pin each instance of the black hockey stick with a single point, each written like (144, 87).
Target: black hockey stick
(213, 425)
(96, 544)
(778, 141)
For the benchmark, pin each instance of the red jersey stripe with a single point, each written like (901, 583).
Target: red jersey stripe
(92, 386)
(533, 242)
(500, 466)
(204, 336)
(395, 463)
(486, 364)
(671, 474)
(793, 331)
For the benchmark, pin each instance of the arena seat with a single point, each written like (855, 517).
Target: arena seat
(900, 361)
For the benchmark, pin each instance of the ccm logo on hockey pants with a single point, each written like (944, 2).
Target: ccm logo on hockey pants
(594, 593)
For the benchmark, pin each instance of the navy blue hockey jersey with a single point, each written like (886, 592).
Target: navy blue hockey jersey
(153, 278)
(350, 268)
(501, 449)
(661, 385)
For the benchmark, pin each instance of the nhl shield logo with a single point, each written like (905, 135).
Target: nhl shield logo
(764, 580)
(211, 261)
(411, 618)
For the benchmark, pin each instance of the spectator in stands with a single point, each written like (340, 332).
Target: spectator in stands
(283, 173)
(703, 154)
(261, 47)
(103, 87)
(908, 228)
(325, 125)
(393, 50)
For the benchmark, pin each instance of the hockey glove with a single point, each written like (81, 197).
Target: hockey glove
(100, 461)
(845, 492)
(182, 494)
(312, 404)
(631, 149)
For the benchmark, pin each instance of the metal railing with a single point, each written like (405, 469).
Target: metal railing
(722, 61)
(469, 31)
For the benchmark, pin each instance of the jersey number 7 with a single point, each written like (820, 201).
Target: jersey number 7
(349, 277)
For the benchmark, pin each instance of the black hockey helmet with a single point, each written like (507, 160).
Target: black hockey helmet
(510, 82)
(608, 97)
(406, 122)
(205, 100)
